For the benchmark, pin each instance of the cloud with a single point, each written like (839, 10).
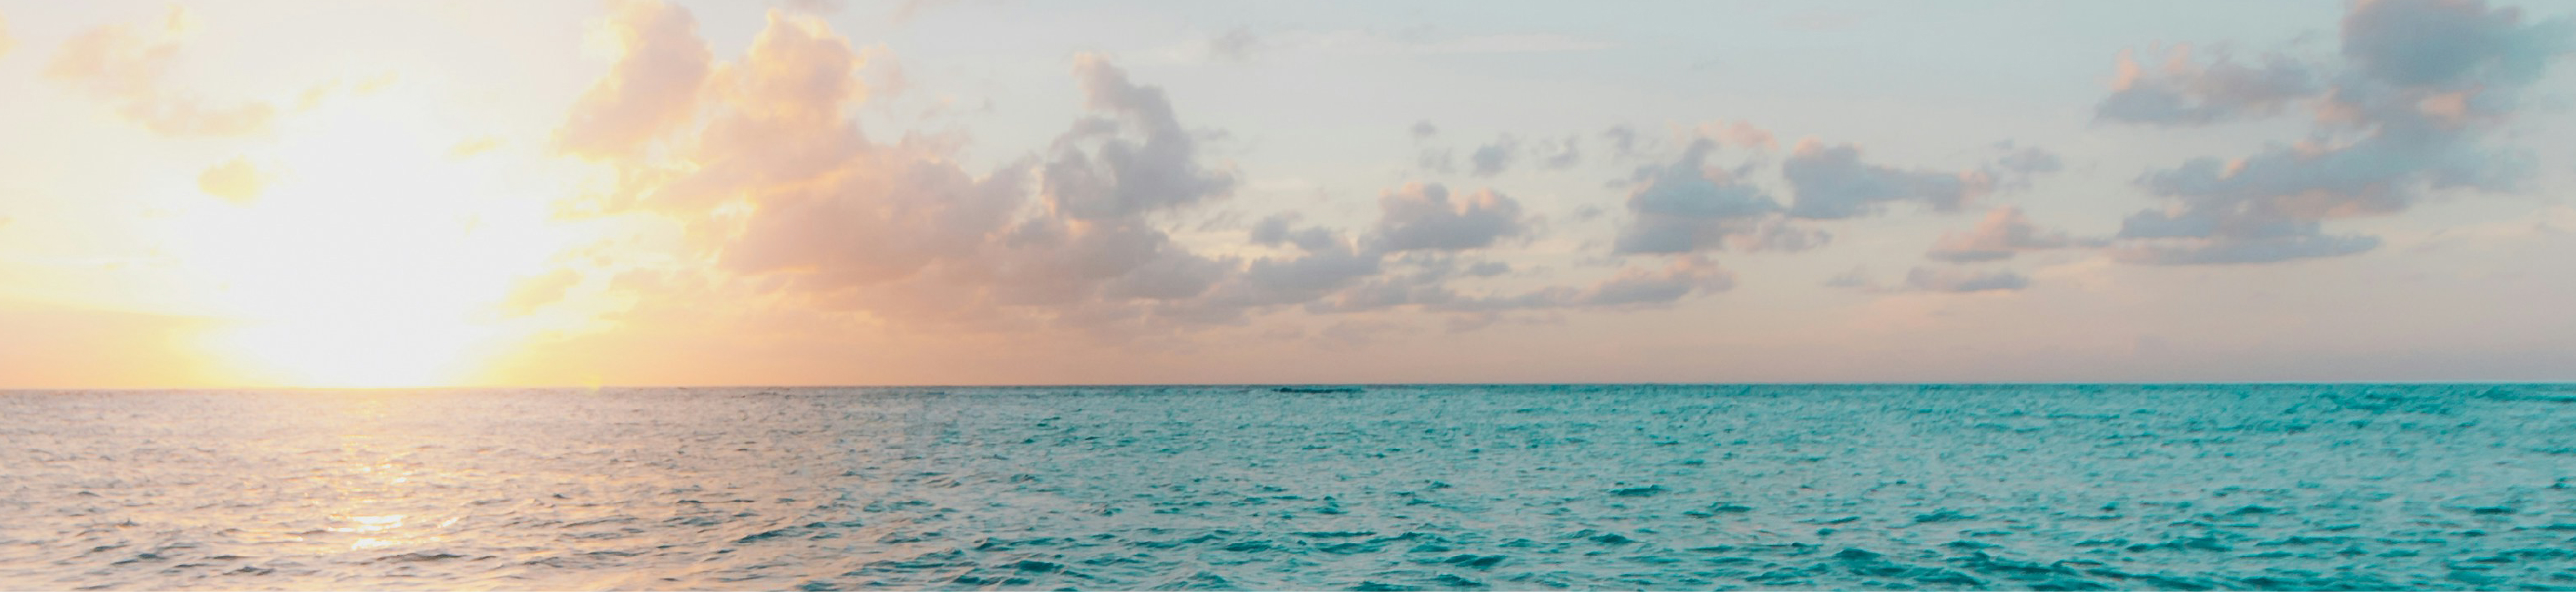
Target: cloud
(1625, 142)
(826, 204)
(1831, 182)
(1856, 279)
(1638, 287)
(1502, 154)
(1633, 287)
(473, 146)
(1738, 133)
(1323, 268)
(1236, 44)
(1093, 248)
(1420, 226)
(2187, 92)
(1492, 159)
(1279, 230)
(1423, 130)
(1437, 161)
(1560, 154)
(790, 207)
(1630, 288)
(1622, 139)
(1427, 288)
(777, 120)
(2238, 249)
(1422, 223)
(2430, 83)
(650, 91)
(884, 76)
(1684, 206)
(312, 96)
(776, 183)
(886, 221)
(1172, 274)
(1426, 227)
(1122, 177)
(2450, 43)
(2019, 163)
(1331, 273)
(1963, 281)
(235, 180)
(1423, 217)
(2305, 182)
(1925, 279)
(2003, 233)
(125, 70)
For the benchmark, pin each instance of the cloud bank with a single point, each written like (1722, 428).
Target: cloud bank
(2425, 88)
(759, 160)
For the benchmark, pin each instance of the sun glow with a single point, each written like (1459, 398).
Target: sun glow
(374, 254)
(383, 351)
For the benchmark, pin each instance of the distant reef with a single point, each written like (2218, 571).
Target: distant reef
(1316, 389)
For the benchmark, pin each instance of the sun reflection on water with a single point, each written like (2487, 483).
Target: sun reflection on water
(326, 488)
(370, 523)
(377, 495)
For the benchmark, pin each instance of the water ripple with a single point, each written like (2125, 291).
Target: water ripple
(2045, 487)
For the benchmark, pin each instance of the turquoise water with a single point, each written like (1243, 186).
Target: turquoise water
(1430, 487)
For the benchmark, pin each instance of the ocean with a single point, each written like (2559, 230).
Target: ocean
(1464, 487)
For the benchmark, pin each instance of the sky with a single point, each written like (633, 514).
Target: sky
(969, 192)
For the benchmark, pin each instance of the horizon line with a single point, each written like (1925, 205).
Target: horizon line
(2561, 382)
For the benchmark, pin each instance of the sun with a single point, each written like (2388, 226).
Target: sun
(365, 251)
(378, 352)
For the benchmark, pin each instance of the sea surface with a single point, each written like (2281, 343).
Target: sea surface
(2027, 487)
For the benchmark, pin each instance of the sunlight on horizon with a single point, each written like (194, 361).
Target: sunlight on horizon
(365, 251)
